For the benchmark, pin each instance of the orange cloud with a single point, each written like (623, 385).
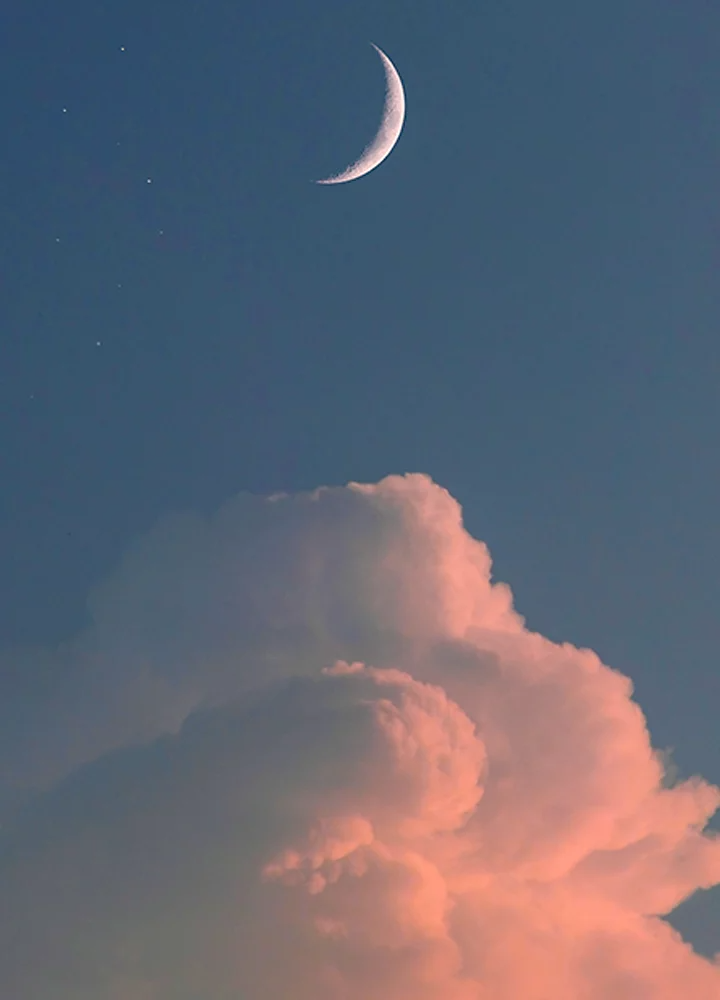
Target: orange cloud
(308, 747)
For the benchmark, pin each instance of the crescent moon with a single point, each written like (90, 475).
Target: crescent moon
(390, 128)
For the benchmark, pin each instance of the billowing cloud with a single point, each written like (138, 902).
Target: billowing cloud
(307, 747)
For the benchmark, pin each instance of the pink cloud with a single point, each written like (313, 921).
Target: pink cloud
(307, 747)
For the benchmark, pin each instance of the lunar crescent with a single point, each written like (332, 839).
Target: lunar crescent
(389, 132)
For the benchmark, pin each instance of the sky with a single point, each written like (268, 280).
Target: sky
(519, 308)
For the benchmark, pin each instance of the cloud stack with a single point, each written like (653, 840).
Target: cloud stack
(307, 748)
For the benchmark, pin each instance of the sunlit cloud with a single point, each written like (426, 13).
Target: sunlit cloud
(306, 747)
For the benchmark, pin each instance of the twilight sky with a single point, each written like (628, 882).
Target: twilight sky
(522, 304)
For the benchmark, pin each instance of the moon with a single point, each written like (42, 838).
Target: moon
(390, 128)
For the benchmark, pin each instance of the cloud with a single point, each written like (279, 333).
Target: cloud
(307, 747)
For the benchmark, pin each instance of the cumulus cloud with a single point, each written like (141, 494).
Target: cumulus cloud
(307, 747)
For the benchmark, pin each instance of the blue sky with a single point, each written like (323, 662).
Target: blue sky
(522, 301)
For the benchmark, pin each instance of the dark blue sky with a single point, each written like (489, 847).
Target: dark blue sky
(522, 301)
